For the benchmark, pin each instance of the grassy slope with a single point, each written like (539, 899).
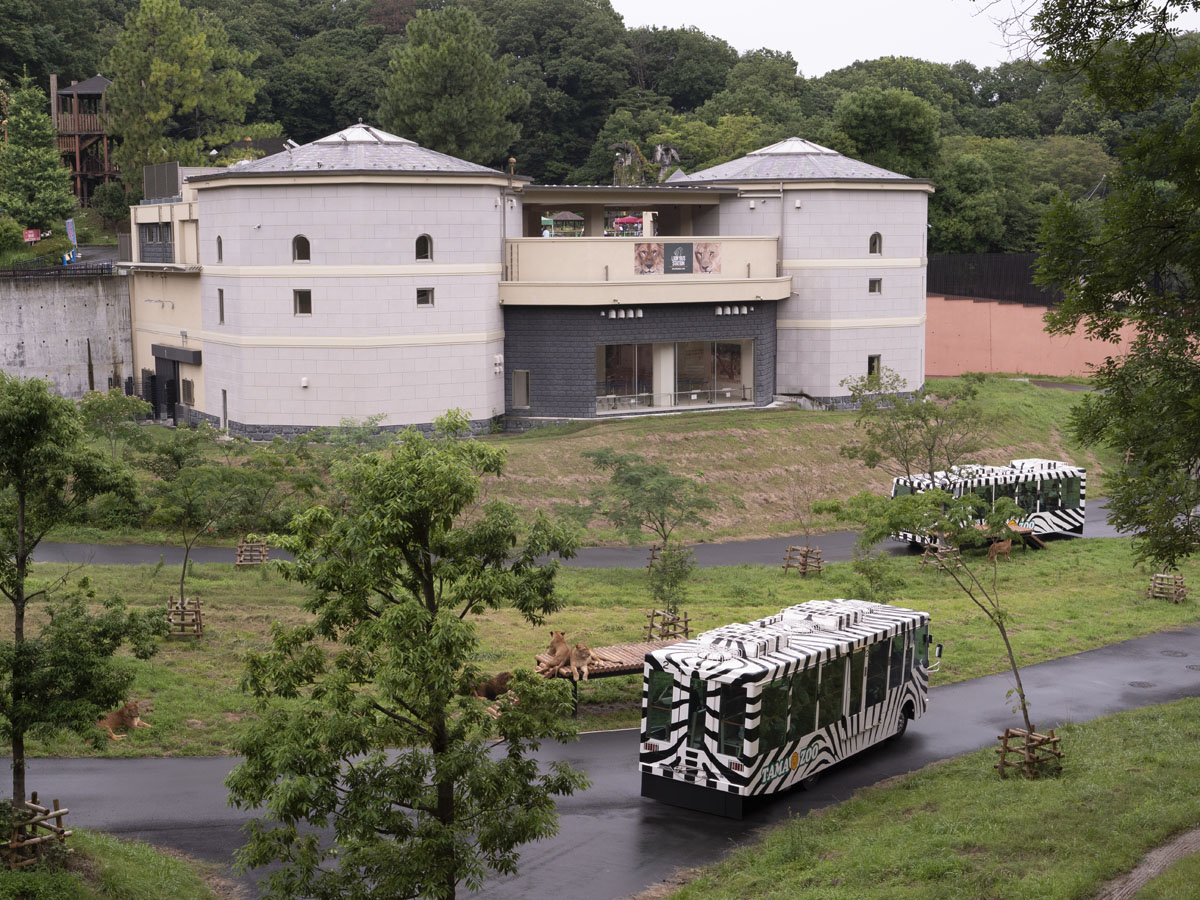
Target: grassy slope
(954, 830)
(773, 461)
(1074, 596)
(105, 868)
(765, 467)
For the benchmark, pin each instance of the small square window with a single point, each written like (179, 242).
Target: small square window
(187, 392)
(220, 306)
(424, 296)
(520, 388)
(873, 365)
(302, 303)
(875, 285)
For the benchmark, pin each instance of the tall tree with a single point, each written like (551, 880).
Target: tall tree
(447, 90)
(893, 129)
(573, 59)
(178, 89)
(35, 189)
(684, 64)
(46, 474)
(377, 740)
(1131, 258)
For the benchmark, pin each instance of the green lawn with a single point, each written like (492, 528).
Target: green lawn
(1074, 596)
(954, 831)
(101, 867)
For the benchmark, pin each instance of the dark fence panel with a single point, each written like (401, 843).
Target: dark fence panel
(988, 276)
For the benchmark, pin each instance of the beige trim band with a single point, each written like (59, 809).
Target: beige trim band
(862, 262)
(838, 324)
(305, 270)
(206, 182)
(368, 342)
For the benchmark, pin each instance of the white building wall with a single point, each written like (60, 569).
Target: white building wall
(367, 347)
(833, 322)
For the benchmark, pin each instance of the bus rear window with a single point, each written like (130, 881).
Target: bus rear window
(733, 719)
(900, 489)
(658, 706)
(1070, 492)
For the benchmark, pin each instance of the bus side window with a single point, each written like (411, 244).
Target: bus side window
(897, 667)
(733, 719)
(921, 645)
(697, 709)
(877, 672)
(1051, 494)
(858, 661)
(804, 704)
(900, 489)
(658, 707)
(773, 716)
(833, 690)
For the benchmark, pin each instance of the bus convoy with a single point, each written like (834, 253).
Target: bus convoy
(1052, 494)
(751, 710)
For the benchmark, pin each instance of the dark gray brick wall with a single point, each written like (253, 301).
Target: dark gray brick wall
(557, 345)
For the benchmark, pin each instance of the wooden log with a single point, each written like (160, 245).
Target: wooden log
(43, 817)
(41, 839)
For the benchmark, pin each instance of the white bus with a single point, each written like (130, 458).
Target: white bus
(754, 709)
(1053, 494)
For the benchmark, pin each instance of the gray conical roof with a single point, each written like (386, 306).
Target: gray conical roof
(795, 159)
(359, 148)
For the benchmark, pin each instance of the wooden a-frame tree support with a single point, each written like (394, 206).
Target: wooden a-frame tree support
(1168, 587)
(1036, 754)
(251, 553)
(34, 829)
(805, 560)
(665, 626)
(184, 619)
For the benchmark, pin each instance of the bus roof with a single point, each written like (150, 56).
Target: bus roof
(1017, 470)
(796, 637)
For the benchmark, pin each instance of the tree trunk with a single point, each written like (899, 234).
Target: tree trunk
(1012, 661)
(18, 685)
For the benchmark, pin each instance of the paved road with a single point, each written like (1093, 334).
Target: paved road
(835, 547)
(612, 842)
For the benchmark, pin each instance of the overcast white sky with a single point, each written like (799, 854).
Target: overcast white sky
(829, 34)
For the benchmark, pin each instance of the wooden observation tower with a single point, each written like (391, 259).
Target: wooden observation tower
(80, 117)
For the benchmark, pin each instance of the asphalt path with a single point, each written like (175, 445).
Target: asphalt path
(612, 842)
(835, 547)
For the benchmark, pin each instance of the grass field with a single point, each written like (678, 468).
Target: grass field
(105, 868)
(1074, 596)
(764, 467)
(954, 831)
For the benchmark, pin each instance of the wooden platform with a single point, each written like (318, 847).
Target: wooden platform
(628, 659)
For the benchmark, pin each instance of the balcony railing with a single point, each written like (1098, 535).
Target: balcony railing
(610, 403)
(80, 123)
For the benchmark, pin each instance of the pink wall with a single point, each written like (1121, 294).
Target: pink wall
(964, 335)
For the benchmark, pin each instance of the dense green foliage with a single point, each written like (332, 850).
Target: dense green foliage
(1129, 258)
(35, 189)
(380, 739)
(1000, 142)
(447, 90)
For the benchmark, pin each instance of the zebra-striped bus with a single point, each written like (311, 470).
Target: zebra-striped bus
(753, 709)
(1053, 494)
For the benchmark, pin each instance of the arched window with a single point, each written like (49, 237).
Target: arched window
(424, 247)
(876, 243)
(300, 250)
(220, 255)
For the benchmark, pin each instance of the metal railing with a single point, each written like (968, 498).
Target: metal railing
(700, 397)
(43, 270)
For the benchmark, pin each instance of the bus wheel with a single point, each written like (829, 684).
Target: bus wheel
(901, 726)
(811, 781)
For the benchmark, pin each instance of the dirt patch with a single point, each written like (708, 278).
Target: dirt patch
(211, 874)
(1154, 864)
(667, 886)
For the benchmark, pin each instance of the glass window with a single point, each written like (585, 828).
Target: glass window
(858, 662)
(897, 661)
(302, 303)
(1051, 494)
(773, 718)
(873, 365)
(733, 719)
(1071, 490)
(520, 388)
(697, 710)
(833, 688)
(900, 489)
(921, 645)
(220, 306)
(187, 393)
(300, 249)
(220, 253)
(694, 370)
(877, 672)
(875, 285)
(876, 243)
(424, 248)
(658, 705)
(729, 371)
(803, 718)
(424, 296)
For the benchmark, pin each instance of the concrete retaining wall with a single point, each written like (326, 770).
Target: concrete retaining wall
(74, 332)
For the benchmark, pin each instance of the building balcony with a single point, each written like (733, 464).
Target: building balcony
(597, 271)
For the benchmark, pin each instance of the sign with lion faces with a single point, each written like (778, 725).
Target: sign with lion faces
(677, 258)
